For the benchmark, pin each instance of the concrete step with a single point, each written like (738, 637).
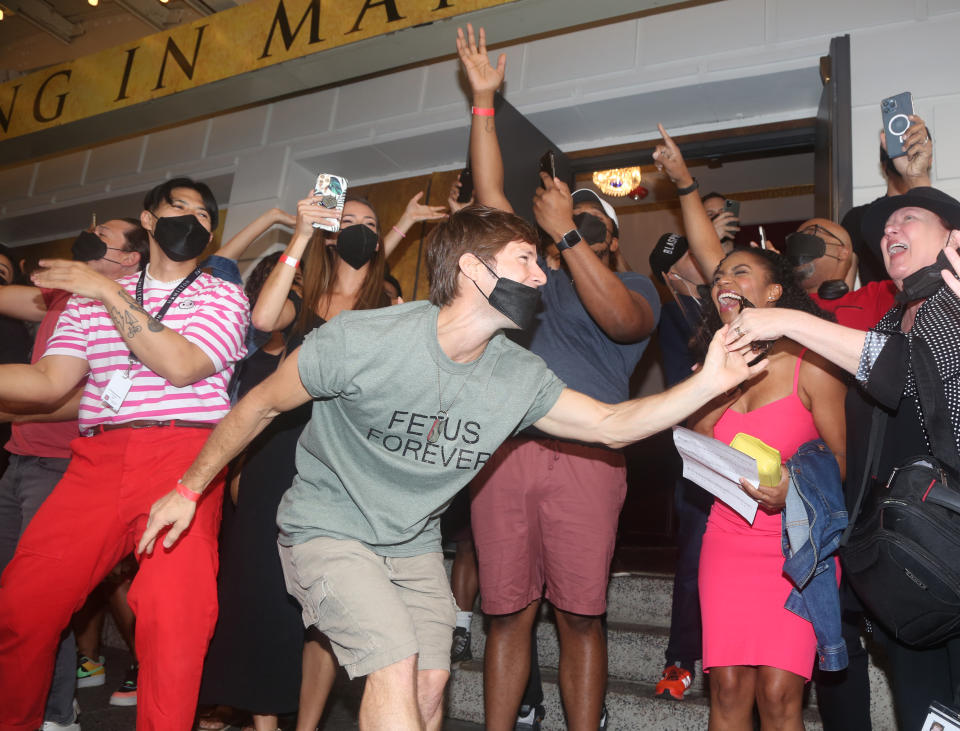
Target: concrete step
(630, 704)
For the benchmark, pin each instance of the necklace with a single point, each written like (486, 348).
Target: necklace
(433, 436)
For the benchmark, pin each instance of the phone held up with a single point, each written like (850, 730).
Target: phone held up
(332, 191)
(466, 186)
(896, 111)
(732, 207)
(548, 165)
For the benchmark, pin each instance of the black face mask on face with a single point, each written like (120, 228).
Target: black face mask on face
(90, 247)
(181, 237)
(514, 300)
(925, 281)
(357, 244)
(592, 229)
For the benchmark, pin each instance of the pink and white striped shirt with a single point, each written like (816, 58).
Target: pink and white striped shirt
(211, 313)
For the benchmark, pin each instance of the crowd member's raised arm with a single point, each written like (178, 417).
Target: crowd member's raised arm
(66, 409)
(702, 236)
(624, 315)
(485, 159)
(241, 241)
(413, 213)
(274, 311)
(576, 416)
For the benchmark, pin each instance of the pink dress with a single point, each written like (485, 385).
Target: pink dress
(742, 586)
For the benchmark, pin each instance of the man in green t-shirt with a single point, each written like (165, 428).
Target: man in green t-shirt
(408, 404)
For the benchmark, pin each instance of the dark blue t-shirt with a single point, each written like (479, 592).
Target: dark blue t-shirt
(675, 333)
(574, 346)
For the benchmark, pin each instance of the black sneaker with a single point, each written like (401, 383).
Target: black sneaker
(529, 718)
(126, 694)
(460, 650)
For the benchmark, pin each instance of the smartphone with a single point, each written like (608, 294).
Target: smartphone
(466, 186)
(332, 190)
(548, 164)
(733, 207)
(763, 238)
(895, 111)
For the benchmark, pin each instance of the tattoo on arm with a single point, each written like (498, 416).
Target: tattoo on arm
(153, 325)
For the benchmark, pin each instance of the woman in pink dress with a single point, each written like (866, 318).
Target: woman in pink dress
(755, 650)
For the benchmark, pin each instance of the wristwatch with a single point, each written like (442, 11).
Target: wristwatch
(570, 238)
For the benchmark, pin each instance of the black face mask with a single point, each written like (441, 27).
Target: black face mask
(181, 237)
(801, 248)
(924, 282)
(516, 301)
(592, 229)
(357, 244)
(90, 247)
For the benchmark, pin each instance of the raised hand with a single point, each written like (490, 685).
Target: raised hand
(484, 79)
(417, 211)
(310, 211)
(951, 277)
(915, 165)
(669, 160)
(553, 207)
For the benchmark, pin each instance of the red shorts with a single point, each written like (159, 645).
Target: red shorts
(545, 512)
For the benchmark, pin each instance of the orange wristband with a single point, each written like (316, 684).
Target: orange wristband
(483, 111)
(186, 492)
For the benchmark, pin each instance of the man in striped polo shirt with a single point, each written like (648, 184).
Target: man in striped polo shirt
(158, 350)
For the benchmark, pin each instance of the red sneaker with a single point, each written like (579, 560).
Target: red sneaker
(674, 682)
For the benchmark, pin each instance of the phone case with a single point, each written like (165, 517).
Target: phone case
(333, 192)
(733, 207)
(548, 164)
(894, 111)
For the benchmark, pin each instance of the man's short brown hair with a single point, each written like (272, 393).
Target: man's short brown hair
(474, 230)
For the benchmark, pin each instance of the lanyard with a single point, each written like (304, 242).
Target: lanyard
(190, 278)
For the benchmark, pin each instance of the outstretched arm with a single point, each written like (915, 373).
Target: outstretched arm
(241, 241)
(280, 392)
(838, 344)
(576, 416)
(704, 242)
(43, 384)
(22, 303)
(66, 409)
(485, 159)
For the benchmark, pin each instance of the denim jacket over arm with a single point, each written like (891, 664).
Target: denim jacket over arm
(813, 520)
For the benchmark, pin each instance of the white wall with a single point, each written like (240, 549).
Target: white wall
(713, 66)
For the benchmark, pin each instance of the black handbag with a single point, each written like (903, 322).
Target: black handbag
(901, 551)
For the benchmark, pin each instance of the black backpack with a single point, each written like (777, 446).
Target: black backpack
(901, 551)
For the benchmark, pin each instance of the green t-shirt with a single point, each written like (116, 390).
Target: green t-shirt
(365, 469)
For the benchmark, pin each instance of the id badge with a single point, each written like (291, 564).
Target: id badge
(117, 389)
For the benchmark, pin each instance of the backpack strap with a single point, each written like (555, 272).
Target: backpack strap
(878, 424)
(936, 420)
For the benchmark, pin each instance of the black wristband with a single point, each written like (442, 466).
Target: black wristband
(689, 189)
(570, 238)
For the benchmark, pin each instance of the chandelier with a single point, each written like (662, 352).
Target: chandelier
(617, 182)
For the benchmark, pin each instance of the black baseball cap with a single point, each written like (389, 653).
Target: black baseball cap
(931, 199)
(669, 249)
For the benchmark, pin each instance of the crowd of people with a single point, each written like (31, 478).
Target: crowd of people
(260, 468)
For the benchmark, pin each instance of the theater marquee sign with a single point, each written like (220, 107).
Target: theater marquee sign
(234, 42)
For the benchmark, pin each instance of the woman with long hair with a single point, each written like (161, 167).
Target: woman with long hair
(755, 650)
(260, 659)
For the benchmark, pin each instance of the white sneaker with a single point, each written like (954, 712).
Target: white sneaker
(74, 725)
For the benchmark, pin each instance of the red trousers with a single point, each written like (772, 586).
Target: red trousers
(94, 517)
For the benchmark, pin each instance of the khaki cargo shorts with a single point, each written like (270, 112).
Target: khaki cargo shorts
(375, 610)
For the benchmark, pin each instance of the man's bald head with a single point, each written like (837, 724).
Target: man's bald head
(837, 257)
